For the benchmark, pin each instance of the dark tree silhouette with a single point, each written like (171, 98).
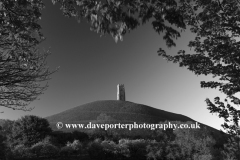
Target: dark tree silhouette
(22, 65)
(116, 17)
(29, 130)
(216, 25)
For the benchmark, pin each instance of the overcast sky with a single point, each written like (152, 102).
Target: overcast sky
(91, 67)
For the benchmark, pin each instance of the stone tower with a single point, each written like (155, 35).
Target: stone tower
(120, 92)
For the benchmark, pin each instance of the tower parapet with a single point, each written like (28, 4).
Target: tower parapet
(120, 92)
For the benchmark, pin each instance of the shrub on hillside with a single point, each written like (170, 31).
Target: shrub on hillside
(195, 143)
(21, 151)
(8, 154)
(97, 133)
(123, 149)
(66, 151)
(36, 148)
(44, 149)
(137, 148)
(95, 150)
(51, 140)
(133, 149)
(29, 130)
(63, 137)
(81, 136)
(161, 150)
(2, 145)
(108, 150)
(49, 150)
(113, 150)
(76, 146)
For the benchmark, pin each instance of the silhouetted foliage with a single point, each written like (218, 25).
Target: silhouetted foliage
(231, 148)
(29, 130)
(77, 147)
(81, 136)
(116, 17)
(44, 149)
(216, 24)
(186, 143)
(20, 151)
(164, 151)
(62, 138)
(95, 150)
(195, 143)
(22, 65)
(124, 149)
(66, 151)
(137, 148)
(6, 127)
(3, 146)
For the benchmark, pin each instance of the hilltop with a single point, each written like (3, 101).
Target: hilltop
(119, 111)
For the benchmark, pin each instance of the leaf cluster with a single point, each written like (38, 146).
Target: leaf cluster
(22, 65)
(116, 17)
(28, 130)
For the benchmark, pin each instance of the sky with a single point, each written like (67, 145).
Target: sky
(91, 67)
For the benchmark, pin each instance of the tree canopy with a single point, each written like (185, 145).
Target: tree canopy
(116, 17)
(29, 130)
(22, 65)
(217, 53)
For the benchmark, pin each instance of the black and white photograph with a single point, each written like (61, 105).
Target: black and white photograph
(119, 79)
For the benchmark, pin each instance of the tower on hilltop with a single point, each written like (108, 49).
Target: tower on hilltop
(120, 92)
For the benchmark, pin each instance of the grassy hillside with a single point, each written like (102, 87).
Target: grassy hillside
(119, 111)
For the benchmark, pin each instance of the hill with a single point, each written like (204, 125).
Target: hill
(119, 111)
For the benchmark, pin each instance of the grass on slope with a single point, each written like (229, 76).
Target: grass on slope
(118, 110)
